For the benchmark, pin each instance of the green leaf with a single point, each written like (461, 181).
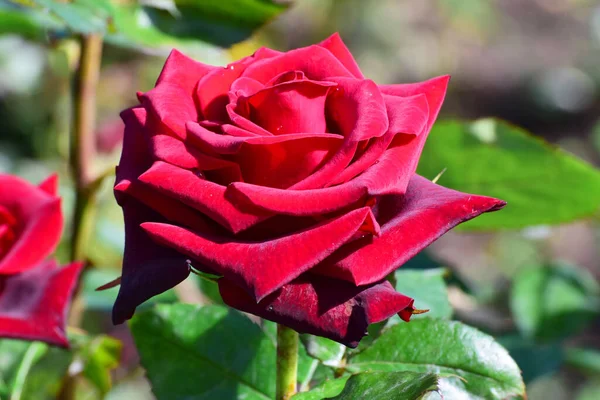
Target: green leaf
(541, 183)
(234, 357)
(375, 386)
(31, 370)
(472, 363)
(428, 288)
(99, 356)
(327, 351)
(326, 390)
(192, 24)
(550, 302)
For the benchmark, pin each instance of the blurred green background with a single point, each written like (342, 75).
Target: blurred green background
(534, 63)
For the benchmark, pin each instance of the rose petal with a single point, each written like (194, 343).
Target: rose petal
(34, 304)
(315, 62)
(406, 115)
(337, 47)
(38, 218)
(273, 161)
(207, 197)
(358, 112)
(409, 223)
(386, 176)
(148, 269)
(435, 90)
(288, 107)
(323, 307)
(213, 88)
(263, 267)
(181, 154)
(183, 71)
(170, 106)
(50, 185)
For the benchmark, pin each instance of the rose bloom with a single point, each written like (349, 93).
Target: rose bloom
(34, 292)
(291, 176)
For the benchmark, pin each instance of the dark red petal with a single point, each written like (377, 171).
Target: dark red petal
(174, 151)
(389, 175)
(315, 62)
(288, 107)
(244, 123)
(263, 267)
(409, 223)
(359, 113)
(183, 71)
(171, 107)
(205, 196)
(50, 185)
(274, 161)
(148, 269)
(322, 306)
(34, 304)
(38, 219)
(434, 89)
(406, 115)
(337, 47)
(212, 90)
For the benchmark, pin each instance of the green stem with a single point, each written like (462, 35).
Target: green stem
(34, 352)
(82, 142)
(287, 362)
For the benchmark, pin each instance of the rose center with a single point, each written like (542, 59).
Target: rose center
(7, 231)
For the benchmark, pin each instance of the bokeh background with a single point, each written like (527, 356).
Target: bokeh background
(534, 63)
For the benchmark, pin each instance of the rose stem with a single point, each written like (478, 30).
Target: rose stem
(287, 362)
(82, 142)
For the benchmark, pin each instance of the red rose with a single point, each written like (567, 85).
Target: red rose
(293, 177)
(34, 292)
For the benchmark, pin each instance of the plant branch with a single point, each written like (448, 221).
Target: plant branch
(287, 362)
(82, 142)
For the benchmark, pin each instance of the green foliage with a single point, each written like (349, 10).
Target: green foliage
(375, 386)
(542, 184)
(551, 302)
(234, 358)
(98, 355)
(327, 351)
(473, 364)
(143, 25)
(428, 288)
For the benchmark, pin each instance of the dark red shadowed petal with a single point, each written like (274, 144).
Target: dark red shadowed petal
(263, 267)
(322, 306)
(205, 196)
(183, 71)
(148, 269)
(409, 223)
(212, 90)
(315, 62)
(34, 304)
(38, 222)
(337, 47)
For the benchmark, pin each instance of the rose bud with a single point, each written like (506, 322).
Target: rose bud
(291, 176)
(34, 292)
